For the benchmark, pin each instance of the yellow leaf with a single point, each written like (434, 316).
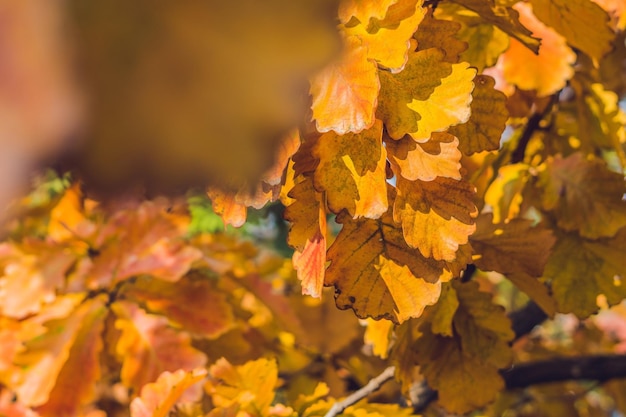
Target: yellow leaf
(504, 195)
(580, 269)
(484, 128)
(345, 92)
(388, 42)
(249, 386)
(443, 315)
(159, 397)
(423, 72)
(438, 157)
(569, 16)
(448, 105)
(464, 368)
(571, 190)
(436, 216)
(361, 281)
(377, 335)
(363, 10)
(546, 72)
(486, 43)
(351, 172)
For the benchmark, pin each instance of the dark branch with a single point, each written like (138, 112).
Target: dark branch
(596, 368)
(531, 126)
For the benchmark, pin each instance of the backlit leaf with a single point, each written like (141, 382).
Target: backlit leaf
(438, 157)
(158, 398)
(351, 171)
(436, 216)
(345, 92)
(464, 368)
(488, 119)
(439, 33)
(363, 10)
(584, 195)
(363, 276)
(568, 16)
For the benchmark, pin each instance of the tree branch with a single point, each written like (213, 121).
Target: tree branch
(597, 368)
(531, 126)
(372, 386)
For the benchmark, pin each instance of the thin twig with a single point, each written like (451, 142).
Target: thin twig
(372, 386)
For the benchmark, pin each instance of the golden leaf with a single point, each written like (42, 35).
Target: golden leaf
(438, 157)
(345, 92)
(442, 34)
(351, 172)
(436, 216)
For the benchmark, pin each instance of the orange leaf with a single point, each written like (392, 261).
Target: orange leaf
(436, 216)
(352, 172)
(363, 10)
(438, 157)
(148, 347)
(546, 72)
(194, 303)
(345, 93)
(158, 398)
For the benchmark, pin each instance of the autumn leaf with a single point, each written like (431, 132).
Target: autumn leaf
(363, 10)
(584, 195)
(158, 398)
(377, 275)
(75, 385)
(378, 335)
(581, 269)
(436, 216)
(517, 250)
(568, 16)
(442, 34)
(505, 18)
(141, 240)
(49, 339)
(193, 303)
(423, 72)
(486, 43)
(147, 347)
(488, 118)
(438, 157)
(351, 172)
(248, 387)
(307, 235)
(546, 72)
(464, 368)
(345, 93)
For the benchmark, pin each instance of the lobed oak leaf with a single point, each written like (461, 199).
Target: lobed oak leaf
(351, 172)
(436, 216)
(158, 398)
(193, 303)
(68, 219)
(307, 235)
(345, 93)
(546, 72)
(363, 10)
(48, 342)
(423, 72)
(75, 386)
(448, 105)
(147, 347)
(442, 318)
(488, 118)
(584, 195)
(486, 43)
(441, 34)
(464, 368)
(580, 269)
(438, 157)
(517, 250)
(504, 195)
(388, 40)
(505, 18)
(567, 17)
(364, 279)
(142, 240)
(248, 387)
